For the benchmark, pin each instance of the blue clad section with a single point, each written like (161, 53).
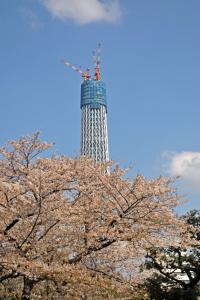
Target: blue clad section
(93, 93)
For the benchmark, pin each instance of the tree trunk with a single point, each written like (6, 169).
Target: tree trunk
(28, 286)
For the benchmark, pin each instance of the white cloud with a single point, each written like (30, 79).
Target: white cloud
(84, 11)
(187, 166)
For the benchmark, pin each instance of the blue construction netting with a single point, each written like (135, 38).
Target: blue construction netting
(93, 93)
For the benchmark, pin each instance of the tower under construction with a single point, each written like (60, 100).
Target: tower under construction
(94, 133)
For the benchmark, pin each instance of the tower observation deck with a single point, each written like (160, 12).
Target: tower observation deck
(94, 133)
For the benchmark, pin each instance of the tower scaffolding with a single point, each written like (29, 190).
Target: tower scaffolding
(94, 132)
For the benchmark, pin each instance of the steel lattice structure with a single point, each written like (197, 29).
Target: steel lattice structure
(94, 133)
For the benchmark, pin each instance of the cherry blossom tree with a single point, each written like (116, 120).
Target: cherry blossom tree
(70, 228)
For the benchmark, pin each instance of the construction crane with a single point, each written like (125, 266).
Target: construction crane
(86, 74)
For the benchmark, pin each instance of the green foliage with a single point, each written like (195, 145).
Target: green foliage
(172, 261)
(159, 288)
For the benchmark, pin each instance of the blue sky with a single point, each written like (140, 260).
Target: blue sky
(150, 63)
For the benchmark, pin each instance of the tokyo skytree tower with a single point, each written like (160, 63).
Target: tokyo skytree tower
(94, 133)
